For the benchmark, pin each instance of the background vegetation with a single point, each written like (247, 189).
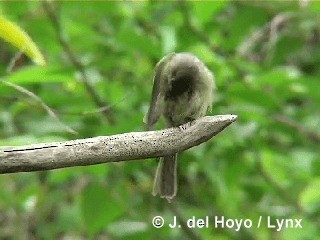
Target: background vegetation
(98, 80)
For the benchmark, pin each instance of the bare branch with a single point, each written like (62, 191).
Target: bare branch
(107, 112)
(269, 33)
(94, 111)
(41, 102)
(299, 128)
(13, 62)
(121, 147)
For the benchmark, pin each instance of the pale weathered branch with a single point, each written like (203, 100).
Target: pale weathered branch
(121, 147)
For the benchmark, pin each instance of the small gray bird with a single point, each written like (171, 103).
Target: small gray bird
(182, 91)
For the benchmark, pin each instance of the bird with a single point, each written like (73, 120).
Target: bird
(182, 91)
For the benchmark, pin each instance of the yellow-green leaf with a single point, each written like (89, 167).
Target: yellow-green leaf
(13, 34)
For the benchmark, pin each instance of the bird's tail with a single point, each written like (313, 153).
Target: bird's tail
(165, 181)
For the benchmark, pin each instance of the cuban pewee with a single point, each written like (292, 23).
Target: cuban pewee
(182, 91)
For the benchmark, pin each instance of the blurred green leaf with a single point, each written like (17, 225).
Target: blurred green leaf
(133, 40)
(33, 74)
(310, 197)
(169, 41)
(98, 208)
(253, 95)
(241, 23)
(124, 229)
(205, 11)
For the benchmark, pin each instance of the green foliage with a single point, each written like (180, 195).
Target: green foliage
(34, 74)
(98, 208)
(265, 58)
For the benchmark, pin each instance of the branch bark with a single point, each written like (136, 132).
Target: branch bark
(104, 149)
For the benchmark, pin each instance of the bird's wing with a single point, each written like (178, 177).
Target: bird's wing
(155, 108)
